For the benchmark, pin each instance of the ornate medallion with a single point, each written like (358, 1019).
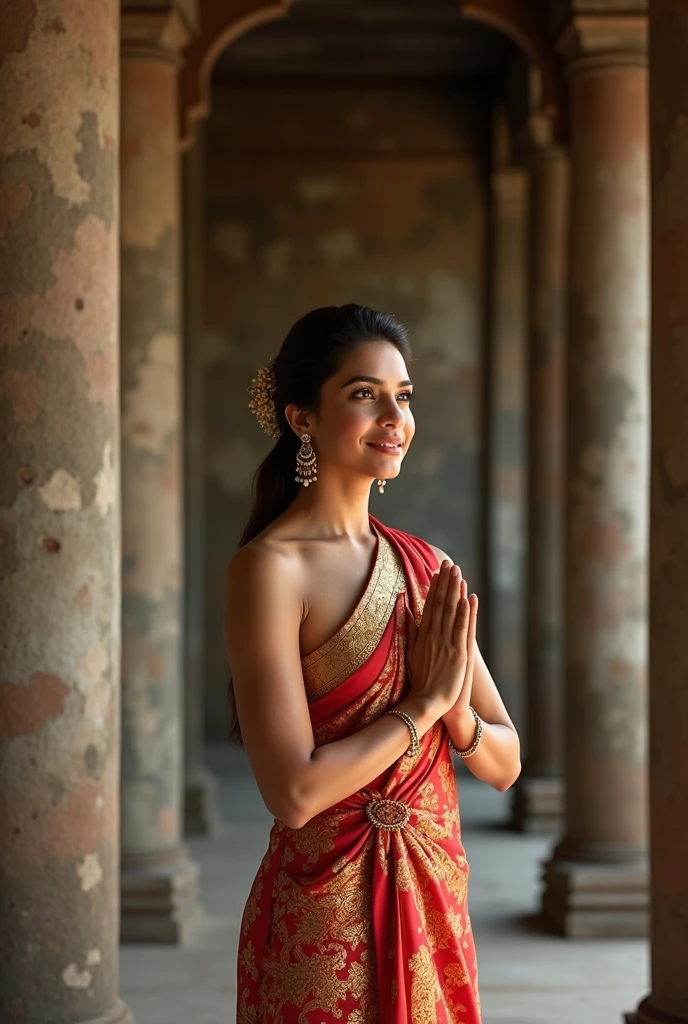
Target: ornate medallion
(388, 814)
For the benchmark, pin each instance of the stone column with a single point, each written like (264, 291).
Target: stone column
(200, 813)
(506, 446)
(539, 792)
(159, 883)
(668, 1001)
(59, 513)
(596, 881)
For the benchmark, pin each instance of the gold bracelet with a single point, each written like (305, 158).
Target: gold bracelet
(414, 747)
(476, 742)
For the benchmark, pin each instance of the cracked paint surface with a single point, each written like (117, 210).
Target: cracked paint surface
(151, 498)
(669, 508)
(607, 461)
(328, 219)
(59, 571)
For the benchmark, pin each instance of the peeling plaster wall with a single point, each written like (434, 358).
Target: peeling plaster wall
(151, 479)
(333, 195)
(59, 510)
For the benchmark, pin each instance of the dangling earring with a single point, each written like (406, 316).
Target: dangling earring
(306, 466)
(381, 486)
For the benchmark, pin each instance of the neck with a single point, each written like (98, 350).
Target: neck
(334, 506)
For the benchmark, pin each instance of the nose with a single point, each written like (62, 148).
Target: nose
(392, 415)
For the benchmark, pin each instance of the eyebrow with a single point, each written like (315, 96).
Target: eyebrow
(376, 380)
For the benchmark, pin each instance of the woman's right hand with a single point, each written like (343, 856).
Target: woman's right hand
(438, 652)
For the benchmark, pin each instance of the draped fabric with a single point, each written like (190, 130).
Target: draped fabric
(360, 916)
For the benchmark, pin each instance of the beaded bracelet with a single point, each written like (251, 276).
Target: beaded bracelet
(414, 746)
(476, 742)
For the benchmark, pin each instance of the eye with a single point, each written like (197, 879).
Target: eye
(404, 396)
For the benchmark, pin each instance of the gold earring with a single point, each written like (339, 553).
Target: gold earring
(381, 486)
(306, 466)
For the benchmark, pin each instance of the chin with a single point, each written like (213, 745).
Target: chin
(385, 469)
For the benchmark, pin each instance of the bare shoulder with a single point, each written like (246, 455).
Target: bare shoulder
(266, 568)
(263, 557)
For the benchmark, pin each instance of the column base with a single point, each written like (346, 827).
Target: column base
(647, 1014)
(538, 805)
(120, 1014)
(201, 815)
(159, 902)
(595, 900)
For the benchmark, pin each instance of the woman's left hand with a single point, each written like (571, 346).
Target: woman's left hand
(463, 702)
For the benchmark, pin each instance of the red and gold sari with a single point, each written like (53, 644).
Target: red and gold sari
(360, 916)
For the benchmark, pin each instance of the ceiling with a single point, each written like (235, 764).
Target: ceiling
(367, 39)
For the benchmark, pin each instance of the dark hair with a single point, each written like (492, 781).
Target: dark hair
(310, 354)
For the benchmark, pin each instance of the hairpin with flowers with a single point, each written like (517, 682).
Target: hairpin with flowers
(262, 391)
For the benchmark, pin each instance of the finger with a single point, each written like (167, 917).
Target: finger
(470, 645)
(451, 603)
(463, 614)
(440, 596)
(470, 632)
(426, 617)
(463, 593)
(473, 621)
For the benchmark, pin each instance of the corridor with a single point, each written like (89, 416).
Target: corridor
(526, 976)
(179, 181)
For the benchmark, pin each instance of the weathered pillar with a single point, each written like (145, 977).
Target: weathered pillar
(668, 1001)
(59, 513)
(159, 883)
(506, 444)
(539, 792)
(200, 813)
(596, 881)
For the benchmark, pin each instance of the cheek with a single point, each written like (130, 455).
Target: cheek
(353, 421)
(342, 432)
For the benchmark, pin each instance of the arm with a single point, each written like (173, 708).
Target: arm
(297, 780)
(497, 759)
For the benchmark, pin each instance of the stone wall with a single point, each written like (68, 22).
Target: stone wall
(333, 195)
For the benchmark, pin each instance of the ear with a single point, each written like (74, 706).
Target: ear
(300, 422)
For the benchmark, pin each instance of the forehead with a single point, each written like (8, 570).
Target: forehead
(374, 359)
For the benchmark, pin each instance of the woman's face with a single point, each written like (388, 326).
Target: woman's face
(364, 422)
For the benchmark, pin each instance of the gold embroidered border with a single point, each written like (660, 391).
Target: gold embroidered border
(352, 644)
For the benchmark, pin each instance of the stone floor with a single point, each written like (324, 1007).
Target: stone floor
(526, 977)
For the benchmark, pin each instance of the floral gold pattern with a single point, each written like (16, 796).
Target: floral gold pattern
(315, 947)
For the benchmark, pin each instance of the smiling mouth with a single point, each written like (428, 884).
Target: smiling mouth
(385, 447)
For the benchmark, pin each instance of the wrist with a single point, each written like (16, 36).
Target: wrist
(424, 711)
(462, 717)
(464, 728)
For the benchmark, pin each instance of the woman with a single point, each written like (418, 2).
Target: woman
(355, 668)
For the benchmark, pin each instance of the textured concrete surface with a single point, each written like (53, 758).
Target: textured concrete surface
(607, 401)
(59, 511)
(527, 977)
(606, 531)
(158, 886)
(151, 474)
